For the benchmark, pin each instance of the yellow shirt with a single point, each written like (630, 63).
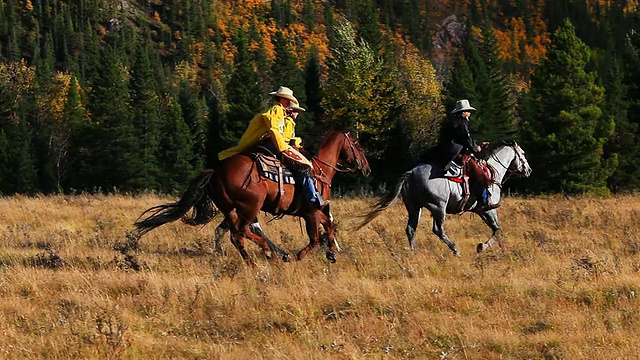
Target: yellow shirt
(269, 123)
(289, 131)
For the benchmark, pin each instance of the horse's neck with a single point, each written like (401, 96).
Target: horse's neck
(500, 161)
(328, 159)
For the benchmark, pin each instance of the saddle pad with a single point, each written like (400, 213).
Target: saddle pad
(268, 168)
(453, 172)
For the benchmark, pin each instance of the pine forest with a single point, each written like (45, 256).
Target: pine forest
(130, 96)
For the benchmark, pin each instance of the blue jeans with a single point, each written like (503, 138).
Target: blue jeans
(308, 187)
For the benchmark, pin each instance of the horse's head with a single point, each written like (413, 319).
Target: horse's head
(353, 154)
(519, 165)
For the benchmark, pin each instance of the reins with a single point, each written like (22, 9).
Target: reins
(510, 172)
(336, 167)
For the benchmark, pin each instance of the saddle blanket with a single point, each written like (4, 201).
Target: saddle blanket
(268, 167)
(453, 171)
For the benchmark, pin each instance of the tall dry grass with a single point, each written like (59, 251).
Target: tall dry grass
(566, 287)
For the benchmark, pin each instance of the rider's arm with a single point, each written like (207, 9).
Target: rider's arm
(290, 133)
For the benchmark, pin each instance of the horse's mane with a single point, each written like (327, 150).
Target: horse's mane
(496, 149)
(328, 132)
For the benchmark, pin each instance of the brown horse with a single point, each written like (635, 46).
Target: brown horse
(240, 193)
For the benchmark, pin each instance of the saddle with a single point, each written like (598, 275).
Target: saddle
(470, 168)
(271, 168)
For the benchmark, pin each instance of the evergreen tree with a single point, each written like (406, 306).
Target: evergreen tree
(89, 55)
(564, 127)
(6, 124)
(625, 142)
(216, 140)
(243, 94)
(478, 76)
(14, 31)
(176, 148)
(494, 122)
(23, 167)
(18, 172)
(259, 56)
(307, 124)
(308, 15)
(285, 68)
(623, 102)
(113, 157)
(462, 83)
(368, 26)
(194, 113)
(144, 107)
(74, 115)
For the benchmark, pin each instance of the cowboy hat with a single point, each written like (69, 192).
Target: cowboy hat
(296, 107)
(284, 92)
(463, 105)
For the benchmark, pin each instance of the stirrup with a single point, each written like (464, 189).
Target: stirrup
(320, 202)
(488, 207)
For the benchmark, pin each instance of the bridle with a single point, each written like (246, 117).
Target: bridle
(511, 173)
(337, 168)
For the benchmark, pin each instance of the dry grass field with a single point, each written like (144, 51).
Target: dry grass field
(567, 286)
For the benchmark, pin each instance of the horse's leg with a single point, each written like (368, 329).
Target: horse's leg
(327, 211)
(439, 215)
(237, 239)
(246, 216)
(329, 232)
(255, 228)
(221, 229)
(491, 219)
(414, 212)
(313, 231)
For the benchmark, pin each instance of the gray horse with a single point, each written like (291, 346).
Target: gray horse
(426, 187)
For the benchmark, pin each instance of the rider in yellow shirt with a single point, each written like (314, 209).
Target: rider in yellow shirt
(270, 125)
(289, 130)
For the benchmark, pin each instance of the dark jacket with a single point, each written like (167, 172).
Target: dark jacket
(455, 138)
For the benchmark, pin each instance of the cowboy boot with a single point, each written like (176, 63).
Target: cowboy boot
(483, 201)
(311, 195)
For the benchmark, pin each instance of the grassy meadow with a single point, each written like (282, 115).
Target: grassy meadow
(567, 285)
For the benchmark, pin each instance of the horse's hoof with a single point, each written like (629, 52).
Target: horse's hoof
(268, 255)
(479, 248)
(331, 256)
(286, 257)
(456, 252)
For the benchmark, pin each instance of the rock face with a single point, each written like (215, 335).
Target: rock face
(446, 42)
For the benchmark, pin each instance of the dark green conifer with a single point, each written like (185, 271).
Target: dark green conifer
(564, 128)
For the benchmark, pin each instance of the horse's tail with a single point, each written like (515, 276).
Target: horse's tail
(194, 197)
(385, 201)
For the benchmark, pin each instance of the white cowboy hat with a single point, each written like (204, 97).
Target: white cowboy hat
(296, 107)
(284, 92)
(463, 105)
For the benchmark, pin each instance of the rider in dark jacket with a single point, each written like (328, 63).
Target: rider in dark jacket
(455, 139)
(455, 136)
